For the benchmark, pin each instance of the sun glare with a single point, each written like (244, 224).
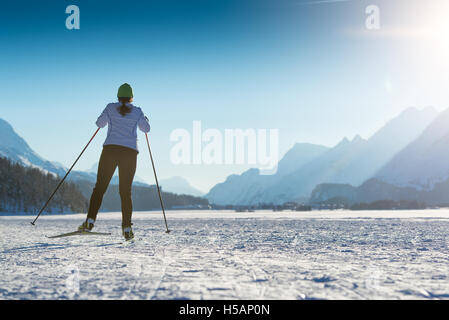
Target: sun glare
(437, 27)
(426, 29)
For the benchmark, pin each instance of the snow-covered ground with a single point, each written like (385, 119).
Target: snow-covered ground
(228, 255)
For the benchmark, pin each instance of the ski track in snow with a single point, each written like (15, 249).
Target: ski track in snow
(227, 255)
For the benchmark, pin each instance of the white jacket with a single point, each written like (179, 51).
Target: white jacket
(122, 130)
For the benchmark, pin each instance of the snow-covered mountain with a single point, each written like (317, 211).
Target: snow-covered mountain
(179, 185)
(297, 156)
(349, 162)
(353, 162)
(425, 161)
(240, 189)
(247, 187)
(15, 148)
(328, 167)
(384, 145)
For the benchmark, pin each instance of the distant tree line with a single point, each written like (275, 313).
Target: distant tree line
(331, 204)
(293, 206)
(390, 205)
(26, 189)
(385, 204)
(147, 198)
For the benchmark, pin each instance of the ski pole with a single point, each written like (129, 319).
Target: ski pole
(60, 182)
(157, 184)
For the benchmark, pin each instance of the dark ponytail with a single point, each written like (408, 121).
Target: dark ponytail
(124, 109)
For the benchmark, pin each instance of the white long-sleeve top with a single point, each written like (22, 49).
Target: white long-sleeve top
(122, 130)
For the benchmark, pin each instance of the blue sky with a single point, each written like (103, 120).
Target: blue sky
(310, 70)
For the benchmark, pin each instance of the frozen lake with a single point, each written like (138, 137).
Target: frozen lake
(229, 255)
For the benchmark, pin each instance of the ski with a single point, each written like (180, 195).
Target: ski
(80, 233)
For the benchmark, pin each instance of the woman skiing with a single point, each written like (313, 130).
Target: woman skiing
(119, 150)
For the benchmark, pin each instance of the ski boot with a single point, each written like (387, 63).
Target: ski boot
(87, 225)
(128, 233)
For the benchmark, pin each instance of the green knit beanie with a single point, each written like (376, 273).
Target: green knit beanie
(125, 91)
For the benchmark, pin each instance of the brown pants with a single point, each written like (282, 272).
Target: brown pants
(111, 157)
